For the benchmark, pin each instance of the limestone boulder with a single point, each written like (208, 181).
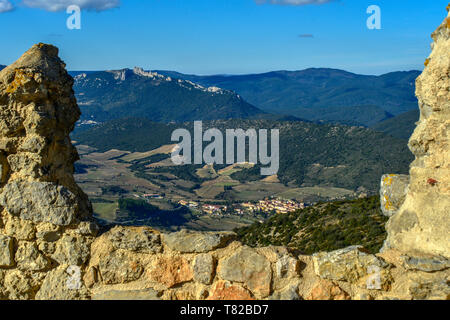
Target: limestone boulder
(39, 202)
(6, 251)
(327, 290)
(72, 250)
(63, 283)
(393, 190)
(28, 257)
(432, 286)
(353, 265)
(422, 224)
(118, 267)
(204, 268)
(171, 270)
(197, 242)
(21, 285)
(48, 232)
(134, 295)
(249, 267)
(20, 229)
(224, 290)
(286, 294)
(426, 264)
(141, 239)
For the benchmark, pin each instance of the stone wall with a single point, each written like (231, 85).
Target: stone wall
(49, 248)
(44, 216)
(140, 263)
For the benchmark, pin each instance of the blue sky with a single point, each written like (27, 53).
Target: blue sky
(225, 36)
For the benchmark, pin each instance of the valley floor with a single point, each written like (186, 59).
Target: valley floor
(151, 176)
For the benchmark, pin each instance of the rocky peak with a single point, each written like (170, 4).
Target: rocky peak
(421, 224)
(44, 217)
(138, 71)
(38, 110)
(149, 74)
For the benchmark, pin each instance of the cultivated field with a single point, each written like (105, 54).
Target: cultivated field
(116, 174)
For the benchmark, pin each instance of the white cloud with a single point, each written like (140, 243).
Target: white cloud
(293, 2)
(61, 5)
(5, 6)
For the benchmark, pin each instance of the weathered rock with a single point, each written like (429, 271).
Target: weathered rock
(141, 239)
(47, 248)
(146, 294)
(39, 202)
(6, 251)
(393, 192)
(289, 293)
(185, 293)
(118, 268)
(171, 270)
(20, 285)
(224, 290)
(3, 293)
(204, 268)
(327, 290)
(72, 250)
(62, 284)
(249, 267)
(88, 228)
(20, 229)
(197, 242)
(48, 232)
(37, 112)
(286, 267)
(433, 287)
(362, 296)
(427, 264)
(349, 264)
(4, 166)
(273, 253)
(29, 258)
(422, 223)
(90, 277)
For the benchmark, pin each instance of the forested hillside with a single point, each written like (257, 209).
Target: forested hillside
(310, 154)
(322, 227)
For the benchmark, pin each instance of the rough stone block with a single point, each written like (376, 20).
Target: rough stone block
(140, 239)
(6, 251)
(197, 242)
(204, 268)
(393, 190)
(40, 202)
(249, 267)
(146, 294)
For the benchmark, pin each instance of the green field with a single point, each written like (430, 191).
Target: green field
(105, 211)
(134, 175)
(227, 223)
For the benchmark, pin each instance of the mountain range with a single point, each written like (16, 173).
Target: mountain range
(297, 92)
(108, 95)
(385, 103)
(402, 126)
(319, 95)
